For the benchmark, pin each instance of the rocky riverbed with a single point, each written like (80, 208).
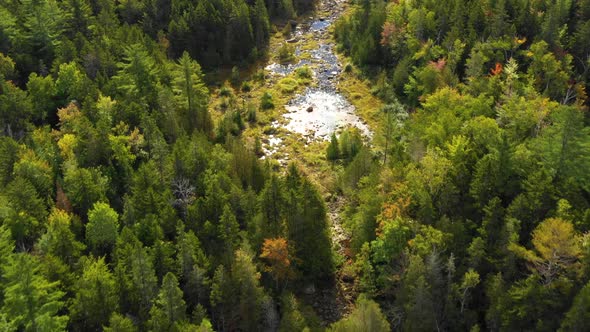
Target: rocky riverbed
(320, 110)
(315, 114)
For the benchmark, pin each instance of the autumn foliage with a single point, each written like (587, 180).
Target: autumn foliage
(439, 64)
(276, 253)
(557, 249)
(497, 69)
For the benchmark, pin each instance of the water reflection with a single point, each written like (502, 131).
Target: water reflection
(321, 110)
(331, 112)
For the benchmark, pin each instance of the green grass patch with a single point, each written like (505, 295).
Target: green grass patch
(288, 85)
(310, 43)
(358, 92)
(266, 101)
(225, 91)
(304, 72)
(246, 86)
(286, 53)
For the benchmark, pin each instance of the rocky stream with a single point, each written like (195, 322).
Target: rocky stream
(315, 114)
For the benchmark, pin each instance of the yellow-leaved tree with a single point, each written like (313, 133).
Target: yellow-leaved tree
(557, 249)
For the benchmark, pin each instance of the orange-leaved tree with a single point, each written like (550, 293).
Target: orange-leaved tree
(276, 254)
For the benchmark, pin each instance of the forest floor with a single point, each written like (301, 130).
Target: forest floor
(337, 98)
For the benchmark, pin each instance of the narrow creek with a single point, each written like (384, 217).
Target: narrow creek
(315, 114)
(320, 110)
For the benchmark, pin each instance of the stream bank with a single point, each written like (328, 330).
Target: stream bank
(299, 125)
(315, 114)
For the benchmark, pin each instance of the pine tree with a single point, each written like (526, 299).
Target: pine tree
(578, 316)
(272, 202)
(15, 110)
(23, 211)
(39, 33)
(229, 230)
(138, 76)
(236, 295)
(119, 323)
(6, 253)
(307, 227)
(149, 195)
(143, 281)
(169, 308)
(96, 296)
(8, 156)
(366, 317)
(260, 24)
(84, 187)
(71, 83)
(333, 151)
(42, 91)
(249, 292)
(192, 94)
(31, 302)
(59, 240)
(292, 320)
(191, 266)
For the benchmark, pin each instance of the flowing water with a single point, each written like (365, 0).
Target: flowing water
(320, 110)
(330, 112)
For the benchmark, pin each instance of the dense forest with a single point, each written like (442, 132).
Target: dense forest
(477, 214)
(129, 203)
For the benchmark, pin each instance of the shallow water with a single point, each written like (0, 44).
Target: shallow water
(320, 25)
(271, 144)
(328, 67)
(331, 110)
(285, 70)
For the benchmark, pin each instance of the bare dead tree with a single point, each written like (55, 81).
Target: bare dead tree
(184, 194)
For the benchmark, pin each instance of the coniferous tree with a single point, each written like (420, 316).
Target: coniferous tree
(366, 316)
(272, 202)
(59, 240)
(143, 281)
(169, 308)
(307, 227)
(31, 302)
(333, 151)
(96, 297)
(119, 323)
(192, 95)
(138, 76)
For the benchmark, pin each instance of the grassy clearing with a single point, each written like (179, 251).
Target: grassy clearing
(304, 74)
(358, 92)
(285, 54)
